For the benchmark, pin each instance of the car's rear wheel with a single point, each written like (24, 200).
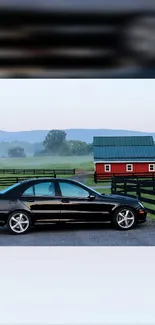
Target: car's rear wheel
(124, 218)
(19, 222)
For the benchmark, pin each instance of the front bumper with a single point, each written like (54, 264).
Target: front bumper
(141, 215)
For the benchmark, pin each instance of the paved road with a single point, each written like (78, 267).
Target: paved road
(81, 235)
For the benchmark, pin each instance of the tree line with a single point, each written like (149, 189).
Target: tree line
(55, 143)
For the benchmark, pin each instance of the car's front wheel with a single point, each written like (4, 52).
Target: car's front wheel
(124, 218)
(19, 223)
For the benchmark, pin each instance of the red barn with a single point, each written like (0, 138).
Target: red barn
(123, 156)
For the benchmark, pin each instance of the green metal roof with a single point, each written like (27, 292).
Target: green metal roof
(118, 153)
(152, 160)
(124, 141)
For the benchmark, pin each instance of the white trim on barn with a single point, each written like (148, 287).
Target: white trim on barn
(151, 165)
(109, 168)
(129, 168)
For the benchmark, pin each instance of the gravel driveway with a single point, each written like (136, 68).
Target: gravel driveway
(81, 235)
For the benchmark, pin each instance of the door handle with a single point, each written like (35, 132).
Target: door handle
(65, 201)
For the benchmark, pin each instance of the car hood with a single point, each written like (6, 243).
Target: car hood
(81, 5)
(120, 198)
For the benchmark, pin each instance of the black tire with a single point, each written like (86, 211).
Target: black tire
(25, 221)
(117, 219)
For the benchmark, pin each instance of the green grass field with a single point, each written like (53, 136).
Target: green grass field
(90, 181)
(70, 162)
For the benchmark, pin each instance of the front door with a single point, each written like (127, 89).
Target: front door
(76, 204)
(42, 201)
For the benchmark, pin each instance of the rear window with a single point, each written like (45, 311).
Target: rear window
(41, 189)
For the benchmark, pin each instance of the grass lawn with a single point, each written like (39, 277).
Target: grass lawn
(70, 162)
(104, 190)
(90, 182)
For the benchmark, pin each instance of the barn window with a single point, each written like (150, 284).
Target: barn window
(129, 168)
(107, 168)
(151, 168)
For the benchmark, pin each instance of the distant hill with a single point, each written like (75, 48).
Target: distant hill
(25, 136)
(72, 134)
(88, 134)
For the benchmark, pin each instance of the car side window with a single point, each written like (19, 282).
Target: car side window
(41, 189)
(45, 189)
(72, 190)
(29, 192)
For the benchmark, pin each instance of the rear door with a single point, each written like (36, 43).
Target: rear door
(42, 200)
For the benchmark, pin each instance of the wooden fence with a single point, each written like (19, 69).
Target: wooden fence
(108, 177)
(135, 188)
(7, 180)
(37, 171)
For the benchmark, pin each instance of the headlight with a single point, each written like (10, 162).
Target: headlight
(141, 204)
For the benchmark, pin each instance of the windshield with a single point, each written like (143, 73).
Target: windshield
(9, 188)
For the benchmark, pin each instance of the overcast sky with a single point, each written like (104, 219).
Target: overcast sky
(77, 103)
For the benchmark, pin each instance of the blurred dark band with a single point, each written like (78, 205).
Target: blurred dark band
(67, 42)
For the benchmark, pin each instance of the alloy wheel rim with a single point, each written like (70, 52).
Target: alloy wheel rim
(19, 222)
(125, 218)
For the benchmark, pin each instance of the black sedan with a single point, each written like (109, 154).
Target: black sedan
(49, 200)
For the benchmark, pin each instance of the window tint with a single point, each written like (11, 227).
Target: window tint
(47, 189)
(68, 189)
(29, 192)
(41, 189)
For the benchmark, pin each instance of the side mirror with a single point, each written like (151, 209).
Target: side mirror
(91, 197)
